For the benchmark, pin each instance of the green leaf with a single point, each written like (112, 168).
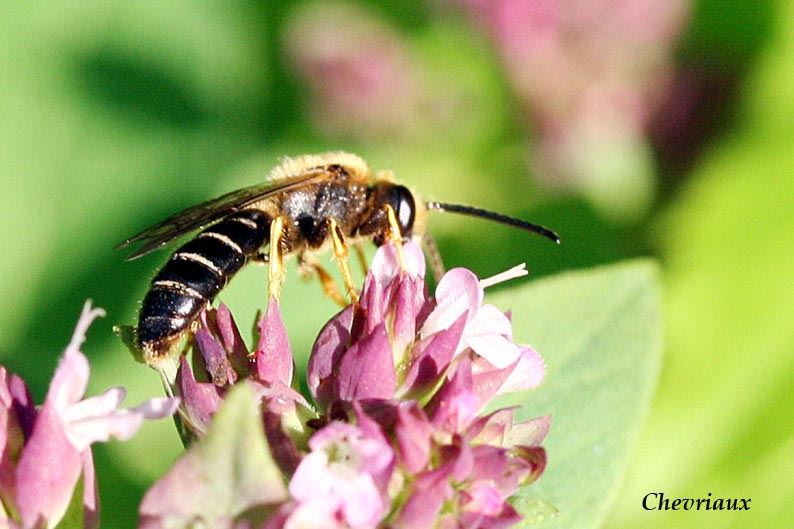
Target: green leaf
(600, 334)
(229, 474)
(534, 511)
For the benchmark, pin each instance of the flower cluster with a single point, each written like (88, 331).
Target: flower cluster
(46, 451)
(397, 434)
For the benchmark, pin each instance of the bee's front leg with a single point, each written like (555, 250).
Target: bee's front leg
(394, 235)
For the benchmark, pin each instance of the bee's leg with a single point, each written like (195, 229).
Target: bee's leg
(305, 266)
(340, 252)
(308, 266)
(434, 256)
(275, 259)
(260, 259)
(362, 259)
(394, 235)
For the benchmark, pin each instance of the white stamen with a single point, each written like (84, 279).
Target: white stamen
(507, 275)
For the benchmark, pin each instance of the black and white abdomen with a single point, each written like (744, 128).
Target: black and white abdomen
(195, 274)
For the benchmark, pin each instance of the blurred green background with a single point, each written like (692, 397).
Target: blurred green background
(632, 128)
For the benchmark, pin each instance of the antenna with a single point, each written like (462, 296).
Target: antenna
(496, 217)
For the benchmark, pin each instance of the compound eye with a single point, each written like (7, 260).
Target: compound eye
(402, 201)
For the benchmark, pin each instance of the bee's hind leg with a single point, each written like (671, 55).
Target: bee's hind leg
(308, 266)
(340, 252)
(361, 258)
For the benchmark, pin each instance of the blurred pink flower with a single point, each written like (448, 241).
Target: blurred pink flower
(362, 77)
(591, 74)
(44, 452)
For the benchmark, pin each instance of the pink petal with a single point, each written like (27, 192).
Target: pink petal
(492, 428)
(455, 404)
(362, 505)
(527, 374)
(282, 446)
(90, 492)
(273, 353)
(366, 371)
(48, 470)
(408, 301)
(343, 464)
(97, 419)
(216, 362)
(458, 458)
(502, 519)
(200, 400)
(5, 391)
(15, 410)
(420, 511)
(230, 334)
(413, 432)
(529, 433)
(386, 264)
(70, 380)
(457, 292)
(414, 259)
(95, 406)
(328, 347)
(378, 458)
(498, 350)
(375, 301)
(22, 404)
(121, 424)
(433, 356)
(484, 498)
(311, 479)
(490, 462)
(319, 513)
(488, 380)
(157, 408)
(489, 320)
(71, 377)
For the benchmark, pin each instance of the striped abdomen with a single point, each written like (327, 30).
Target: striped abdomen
(195, 274)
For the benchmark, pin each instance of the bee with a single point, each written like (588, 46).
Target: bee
(307, 205)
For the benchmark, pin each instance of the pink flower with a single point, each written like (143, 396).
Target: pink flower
(221, 359)
(51, 445)
(362, 77)
(591, 75)
(341, 475)
(401, 342)
(397, 438)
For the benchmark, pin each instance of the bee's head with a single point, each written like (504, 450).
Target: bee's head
(402, 202)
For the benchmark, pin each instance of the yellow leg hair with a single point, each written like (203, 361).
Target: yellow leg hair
(362, 259)
(394, 234)
(308, 267)
(340, 252)
(275, 259)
